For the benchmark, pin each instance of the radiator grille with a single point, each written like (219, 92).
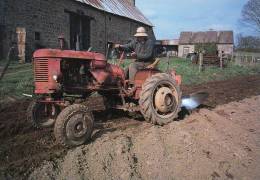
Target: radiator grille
(41, 70)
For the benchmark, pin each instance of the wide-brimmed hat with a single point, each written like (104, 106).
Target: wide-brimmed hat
(141, 32)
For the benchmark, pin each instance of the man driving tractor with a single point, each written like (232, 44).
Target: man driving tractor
(65, 81)
(143, 49)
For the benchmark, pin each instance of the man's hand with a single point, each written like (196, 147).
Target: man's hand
(116, 46)
(133, 55)
(152, 66)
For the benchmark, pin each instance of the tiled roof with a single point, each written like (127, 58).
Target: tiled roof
(168, 42)
(220, 37)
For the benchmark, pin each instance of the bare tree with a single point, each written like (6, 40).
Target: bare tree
(248, 43)
(251, 14)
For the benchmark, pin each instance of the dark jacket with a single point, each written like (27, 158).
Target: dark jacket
(144, 51)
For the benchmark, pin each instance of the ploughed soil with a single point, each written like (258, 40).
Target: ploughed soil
(221, 140)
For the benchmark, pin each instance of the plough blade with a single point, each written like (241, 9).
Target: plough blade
(194, 100)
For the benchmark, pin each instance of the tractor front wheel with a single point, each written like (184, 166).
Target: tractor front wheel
(74, 126)
(160, 99)
(42, 115)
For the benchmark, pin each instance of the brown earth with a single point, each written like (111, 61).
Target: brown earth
(219, 144)
(224, 141)
(223, 92)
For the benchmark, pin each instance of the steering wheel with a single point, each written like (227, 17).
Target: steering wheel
(121, 59)
(120, 53)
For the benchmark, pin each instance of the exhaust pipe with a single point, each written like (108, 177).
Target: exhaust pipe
(194, 100)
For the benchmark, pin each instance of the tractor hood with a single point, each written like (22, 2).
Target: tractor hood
(70, 54)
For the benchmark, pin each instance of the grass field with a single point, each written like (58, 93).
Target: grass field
(19, 78)
(191, 75)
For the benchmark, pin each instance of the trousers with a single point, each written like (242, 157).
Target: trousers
(133, 68)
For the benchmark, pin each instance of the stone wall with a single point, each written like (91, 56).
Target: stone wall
(227, 48)
(2, 22)
(2, 7)
(49, 19)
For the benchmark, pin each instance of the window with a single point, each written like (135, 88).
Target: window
(37, 36)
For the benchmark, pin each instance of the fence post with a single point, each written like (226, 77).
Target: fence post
(200, 61)
(253, 59)
(221, 60)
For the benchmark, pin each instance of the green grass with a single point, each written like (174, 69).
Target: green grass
(19, 78)
(191, 75)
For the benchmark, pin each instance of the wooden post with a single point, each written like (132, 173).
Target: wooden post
(221, 60)
(253, 59)
(200, 61)
(21, 38)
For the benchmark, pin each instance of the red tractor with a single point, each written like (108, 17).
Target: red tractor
(66, 80)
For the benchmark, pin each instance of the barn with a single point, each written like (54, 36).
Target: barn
(223, 39)
(34, 24)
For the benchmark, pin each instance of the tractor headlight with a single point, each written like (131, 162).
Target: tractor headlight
(55, 77)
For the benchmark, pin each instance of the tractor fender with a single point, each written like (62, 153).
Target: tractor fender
(143, 75)
(140, 78)
(177, 78)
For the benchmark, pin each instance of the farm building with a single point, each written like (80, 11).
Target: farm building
(33, 24)
(223, 39)
(168, 45)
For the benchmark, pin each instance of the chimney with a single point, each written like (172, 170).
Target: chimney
(132, 2)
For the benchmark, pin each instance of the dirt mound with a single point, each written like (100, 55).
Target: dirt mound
(218, 144)
(21, 145)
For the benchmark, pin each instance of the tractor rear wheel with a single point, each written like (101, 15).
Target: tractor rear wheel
(74, 126)
(42, 115)
(160, 99)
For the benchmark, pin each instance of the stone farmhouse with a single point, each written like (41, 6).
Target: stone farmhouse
(33, 24)
(223, 39)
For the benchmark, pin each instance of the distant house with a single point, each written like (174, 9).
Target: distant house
(223, 39)
(83, 23)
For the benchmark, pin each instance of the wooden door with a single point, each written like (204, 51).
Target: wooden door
(186, 51)
(79, 32)
(21, 41)
(85, 33)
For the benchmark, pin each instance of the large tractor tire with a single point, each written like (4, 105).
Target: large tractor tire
(42, 115)
(160, 99)
(74, 126)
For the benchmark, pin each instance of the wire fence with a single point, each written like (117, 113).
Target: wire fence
(246, 58)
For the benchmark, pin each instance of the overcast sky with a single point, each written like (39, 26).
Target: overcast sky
(170, 17)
